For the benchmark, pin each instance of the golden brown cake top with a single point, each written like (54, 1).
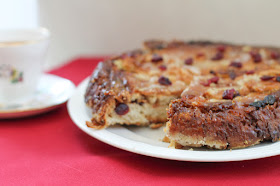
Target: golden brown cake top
(208, 72)
(209, 68)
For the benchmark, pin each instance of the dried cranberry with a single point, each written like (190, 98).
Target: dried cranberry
(266, 78)
(200, 55)
(256, 57)
(278, 78)
(214, 79)
(250, 72)
(212, 72)
(211, 80)
(206, 84)
(221, 48)
(275, 55)
(236, 64)
(162, 67)
(156, 58)
(122, 109)
(218, 56)
(164, 81)
(230, 94)
(189, 61)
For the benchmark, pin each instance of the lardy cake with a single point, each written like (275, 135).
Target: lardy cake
(218, 95)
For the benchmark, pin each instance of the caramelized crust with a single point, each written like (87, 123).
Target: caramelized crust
(223, 125)
(106, 86)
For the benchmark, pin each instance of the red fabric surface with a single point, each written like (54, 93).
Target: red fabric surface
(49, 149)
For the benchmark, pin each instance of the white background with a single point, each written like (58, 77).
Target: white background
(98, 27)
(18, 14)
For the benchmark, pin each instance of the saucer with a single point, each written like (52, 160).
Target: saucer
(52, 92)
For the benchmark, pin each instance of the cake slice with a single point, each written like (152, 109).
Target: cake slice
(235, 106)
(136, 87)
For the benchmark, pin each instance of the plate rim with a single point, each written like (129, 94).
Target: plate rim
(137, 147)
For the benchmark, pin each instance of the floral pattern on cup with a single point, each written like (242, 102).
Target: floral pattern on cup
(11, 73)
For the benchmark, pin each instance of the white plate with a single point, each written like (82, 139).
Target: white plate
(51, 93)
(146, 141)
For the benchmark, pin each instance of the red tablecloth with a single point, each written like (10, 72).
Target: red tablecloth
(49, 149)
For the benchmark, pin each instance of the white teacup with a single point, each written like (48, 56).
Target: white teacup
(22, 54)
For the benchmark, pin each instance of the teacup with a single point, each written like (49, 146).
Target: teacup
(22, 55)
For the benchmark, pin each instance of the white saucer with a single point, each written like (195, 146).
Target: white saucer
(52, 92)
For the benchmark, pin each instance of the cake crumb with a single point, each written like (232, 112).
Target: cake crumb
(166, 139)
